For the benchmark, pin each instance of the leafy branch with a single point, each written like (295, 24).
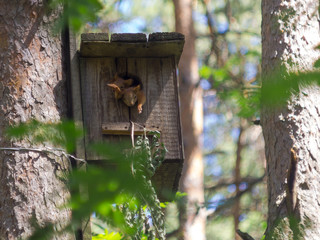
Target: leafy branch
(119, 190)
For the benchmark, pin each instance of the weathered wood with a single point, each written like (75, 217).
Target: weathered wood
(98, 99)
(165, 36)
(166, 179)
(161, 107)
(128, 37)
(108, 119)
(133, 45)
(95, 37)
(78, 118)
(124, 128)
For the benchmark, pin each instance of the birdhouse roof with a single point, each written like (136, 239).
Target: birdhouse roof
(160, 44)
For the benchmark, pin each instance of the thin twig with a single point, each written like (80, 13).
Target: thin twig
(46, 150)
(227, 202)
(132, 133)
(243, 235)
(138, 124)
(229, 181)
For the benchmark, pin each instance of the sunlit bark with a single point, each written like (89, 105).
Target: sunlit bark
(290, 33)
(32, 85)
(192, 219)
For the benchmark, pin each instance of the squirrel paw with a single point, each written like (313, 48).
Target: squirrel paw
(140, 109)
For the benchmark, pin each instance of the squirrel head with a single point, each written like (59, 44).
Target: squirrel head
(130, 95)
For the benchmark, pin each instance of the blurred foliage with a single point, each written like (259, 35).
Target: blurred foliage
(118, 189)
(62, 134)
(135, 16)
(107, 236)
(76, 13)
(281, 86)
(115, 15)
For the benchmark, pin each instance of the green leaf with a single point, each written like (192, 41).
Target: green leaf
(77, 13)
(317, 64)
(107, 236)
(219, 75)
(205, 72)
(164, 205)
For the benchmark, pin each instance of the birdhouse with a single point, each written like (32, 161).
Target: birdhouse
(151, 61)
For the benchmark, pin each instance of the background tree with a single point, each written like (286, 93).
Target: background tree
(33, 85)
(192, 215)
(290, 33)
(233, 146)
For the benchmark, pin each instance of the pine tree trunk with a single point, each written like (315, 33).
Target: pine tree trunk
(32, 85)
(290, 32)
(192, 218)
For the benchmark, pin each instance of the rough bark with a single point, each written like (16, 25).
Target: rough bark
(32, 85)
(290, 31)
(193, 218)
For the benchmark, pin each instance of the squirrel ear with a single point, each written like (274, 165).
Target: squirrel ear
(137, 88)
(114, 78)
(114, 86)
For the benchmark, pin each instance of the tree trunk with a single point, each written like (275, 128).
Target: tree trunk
(32, 85)
(193, 218)
(237, 178)
(290, 32)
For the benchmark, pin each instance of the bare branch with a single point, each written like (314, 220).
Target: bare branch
(230, 181)
(47, 150)
(174, 233)
(214, 152)
(243, 235)
(228, 202)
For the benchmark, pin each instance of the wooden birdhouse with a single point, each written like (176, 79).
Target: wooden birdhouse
(152, 61)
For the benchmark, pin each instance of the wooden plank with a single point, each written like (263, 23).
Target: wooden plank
(166, 179)
(165, 36)
(78, 118)
(115, 110)
(76, 94)
(129, 37)
(99, 104)
(121, 65)
(130, 49)
(171, 112)
(124, 128)
(177, 96)
(133, 37)
(95, 37)
(161, 108)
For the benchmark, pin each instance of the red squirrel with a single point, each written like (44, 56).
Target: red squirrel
(129, 89)
(133, 94)
(119, 84)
